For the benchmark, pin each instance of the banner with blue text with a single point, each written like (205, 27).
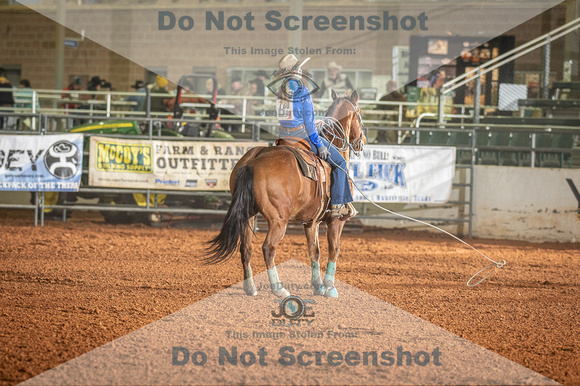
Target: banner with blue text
(49, 163)
(411, 174)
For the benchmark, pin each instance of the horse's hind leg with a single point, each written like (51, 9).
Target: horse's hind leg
(333, 235)
(311, 231)
(276, 231)
(246, 252)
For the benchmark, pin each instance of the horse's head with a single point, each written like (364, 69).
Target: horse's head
(346, 112)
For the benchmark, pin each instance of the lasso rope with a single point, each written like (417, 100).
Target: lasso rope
(334, 122)
(328, 127)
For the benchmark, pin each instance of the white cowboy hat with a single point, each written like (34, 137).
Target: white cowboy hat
(333, 64)
(291, 61)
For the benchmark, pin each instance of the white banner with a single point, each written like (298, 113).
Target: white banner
(41, 163)
(174, 165)
(412, 174)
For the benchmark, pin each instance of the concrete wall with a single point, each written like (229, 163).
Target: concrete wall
(526, 204)
(508, 203)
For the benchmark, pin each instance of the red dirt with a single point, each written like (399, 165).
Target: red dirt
(67, 288)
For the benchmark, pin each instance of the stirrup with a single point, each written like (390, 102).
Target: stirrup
(338, 211)
(351, 210)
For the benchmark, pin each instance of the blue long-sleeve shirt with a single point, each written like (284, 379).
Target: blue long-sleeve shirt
(296, 109)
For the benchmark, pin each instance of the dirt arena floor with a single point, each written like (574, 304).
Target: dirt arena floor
(67, 288)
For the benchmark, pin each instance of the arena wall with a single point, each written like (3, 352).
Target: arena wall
(517, 203)
(526, 204)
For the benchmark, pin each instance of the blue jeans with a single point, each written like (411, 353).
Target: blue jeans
(339, 187)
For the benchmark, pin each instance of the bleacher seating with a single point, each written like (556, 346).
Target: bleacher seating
(566, 85)
(565, 103)
(555, 158)
(504, 147)
(515, 157)
(498, 120)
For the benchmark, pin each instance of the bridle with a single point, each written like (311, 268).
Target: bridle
(357, 145)
(330, 126)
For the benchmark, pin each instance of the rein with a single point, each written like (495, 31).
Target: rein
(330, 126)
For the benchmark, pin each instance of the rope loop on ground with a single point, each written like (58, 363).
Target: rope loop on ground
(491, 266)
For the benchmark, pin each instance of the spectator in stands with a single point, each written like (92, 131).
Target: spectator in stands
(237, 89)
(261, 77)
(23, 100)
(392, 95)
(253, 104)
(236, 86)
(75, 85)
(6, 98)
(139, 99)
(160, 103)
(335, 80)
(94, 85)
(23, 96)
(438, 78)
(209, 88)
(254, 88)
(103, 86)
(106, 86)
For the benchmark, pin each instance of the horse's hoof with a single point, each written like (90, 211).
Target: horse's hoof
(331, 293)
(251, 291)
(281, 293)
(250, 288)
(320, 291)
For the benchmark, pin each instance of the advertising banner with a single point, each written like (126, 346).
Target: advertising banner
(48, 163)
(412, 174)
(172, 165)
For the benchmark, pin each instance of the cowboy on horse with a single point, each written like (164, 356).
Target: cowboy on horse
(295, 113)
(277, 182)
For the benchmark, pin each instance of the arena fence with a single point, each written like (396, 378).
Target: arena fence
(499, 144)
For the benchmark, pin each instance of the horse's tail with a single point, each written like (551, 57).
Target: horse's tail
(242, 208)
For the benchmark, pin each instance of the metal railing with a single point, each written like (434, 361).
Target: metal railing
(510, 56)
(151, 202)
(461, 184)
(393, 121)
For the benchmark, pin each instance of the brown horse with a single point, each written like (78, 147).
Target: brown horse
(268, 180)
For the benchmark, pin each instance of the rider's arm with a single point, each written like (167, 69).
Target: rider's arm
(309, 123)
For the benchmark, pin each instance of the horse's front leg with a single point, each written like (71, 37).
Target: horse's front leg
(333, 235)
(246, 252)
(311, 231)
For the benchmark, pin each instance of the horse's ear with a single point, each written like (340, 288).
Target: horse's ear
(353, 97)
(333, 95)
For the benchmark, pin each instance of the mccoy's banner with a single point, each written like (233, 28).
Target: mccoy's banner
(419, 174)
(41, 163)
(170, 165)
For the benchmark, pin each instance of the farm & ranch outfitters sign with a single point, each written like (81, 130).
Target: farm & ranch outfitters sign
(174, 165)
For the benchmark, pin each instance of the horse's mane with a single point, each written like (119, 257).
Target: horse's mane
(334, 106)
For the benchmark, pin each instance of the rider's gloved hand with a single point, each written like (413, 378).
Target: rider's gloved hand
(323, 152)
